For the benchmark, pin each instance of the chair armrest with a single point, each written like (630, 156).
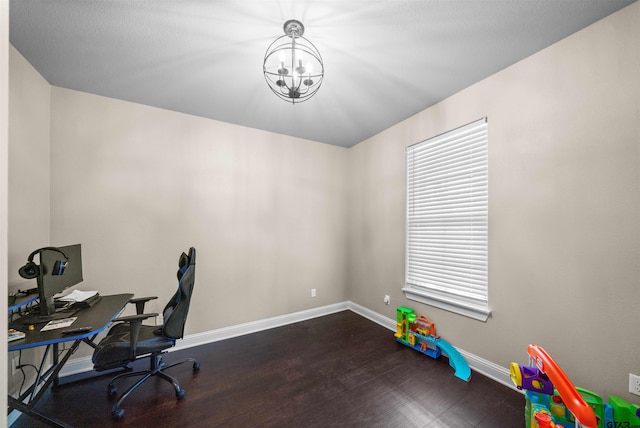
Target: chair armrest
(133, 318)
(140, 302)
(135, 322)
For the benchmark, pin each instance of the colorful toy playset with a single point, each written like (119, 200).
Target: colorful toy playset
(420, 334)
(553, 401)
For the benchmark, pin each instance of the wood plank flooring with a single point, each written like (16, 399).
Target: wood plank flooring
(340, 370)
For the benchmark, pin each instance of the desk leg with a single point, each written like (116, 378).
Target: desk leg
(90, 341)
(36, 393)
(41, 373)
(55, 364)
(27, 410)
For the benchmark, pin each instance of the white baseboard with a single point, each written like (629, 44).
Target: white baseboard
(388, 323)
(480, 365)
(487, 368)
(256, 326)
(84, 364)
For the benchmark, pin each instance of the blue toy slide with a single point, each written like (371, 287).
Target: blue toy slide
(457, 361)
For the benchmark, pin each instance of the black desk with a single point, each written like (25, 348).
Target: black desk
(99, 317)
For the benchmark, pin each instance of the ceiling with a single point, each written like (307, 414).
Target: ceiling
(385, 60)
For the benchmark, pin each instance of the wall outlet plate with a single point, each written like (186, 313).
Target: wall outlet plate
(313, 292)
(15, 360)
(634, 384)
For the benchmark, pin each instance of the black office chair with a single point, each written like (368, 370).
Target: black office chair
(130, 340)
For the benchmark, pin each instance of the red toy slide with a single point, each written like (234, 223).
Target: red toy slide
(571, 397)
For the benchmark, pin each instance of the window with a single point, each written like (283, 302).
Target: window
(447, 221)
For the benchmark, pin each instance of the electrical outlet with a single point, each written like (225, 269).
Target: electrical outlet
(387, 299)
(313, 292)
(634, 384)
(14, 364)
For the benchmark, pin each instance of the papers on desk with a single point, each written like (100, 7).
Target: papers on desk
(54, 324)
(78, 296)
(15, 335)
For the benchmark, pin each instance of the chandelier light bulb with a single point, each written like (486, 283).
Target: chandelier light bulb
(283, 70)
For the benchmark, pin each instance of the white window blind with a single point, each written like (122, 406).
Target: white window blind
(447, 221)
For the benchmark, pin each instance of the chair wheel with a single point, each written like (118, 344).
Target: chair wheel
(118, 414)
(196, 366)
(181, 394)
(112, 391)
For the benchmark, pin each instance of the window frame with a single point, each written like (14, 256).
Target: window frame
(440, 283)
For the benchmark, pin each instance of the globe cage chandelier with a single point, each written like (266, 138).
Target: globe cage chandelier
(293, 67)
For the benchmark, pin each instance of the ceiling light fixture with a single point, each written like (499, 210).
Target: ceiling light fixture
(293, 66)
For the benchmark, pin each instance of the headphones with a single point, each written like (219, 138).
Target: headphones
(31, 270)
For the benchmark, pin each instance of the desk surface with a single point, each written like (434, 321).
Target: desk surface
(98, 317)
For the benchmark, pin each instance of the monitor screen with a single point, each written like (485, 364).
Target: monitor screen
(57, 273)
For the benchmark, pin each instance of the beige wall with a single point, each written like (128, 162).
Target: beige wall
(564, 239)
(29, 160)
(28, 179)
(136, 185)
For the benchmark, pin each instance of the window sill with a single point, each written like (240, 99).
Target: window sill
(468, 310)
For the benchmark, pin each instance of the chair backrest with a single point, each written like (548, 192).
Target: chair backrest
(175, 313)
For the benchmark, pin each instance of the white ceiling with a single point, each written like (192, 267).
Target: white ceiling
(385, 60)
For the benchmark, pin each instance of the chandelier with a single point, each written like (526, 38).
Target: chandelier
(293, 66)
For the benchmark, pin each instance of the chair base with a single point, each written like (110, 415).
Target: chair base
(156, 368)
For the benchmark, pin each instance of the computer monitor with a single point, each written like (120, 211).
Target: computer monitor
(58, 273)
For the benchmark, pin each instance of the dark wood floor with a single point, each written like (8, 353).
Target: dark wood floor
(340, 370)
